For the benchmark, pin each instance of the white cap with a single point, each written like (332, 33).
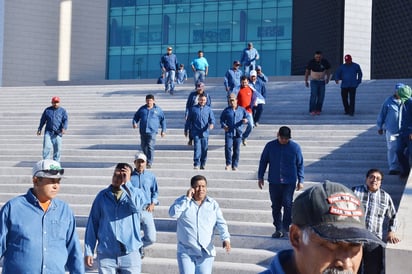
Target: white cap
(140, 156)
(47, 169)
(253, 73)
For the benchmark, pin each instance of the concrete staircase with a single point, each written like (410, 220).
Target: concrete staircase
(336, 147)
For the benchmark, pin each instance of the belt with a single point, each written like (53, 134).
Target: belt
(200, 70)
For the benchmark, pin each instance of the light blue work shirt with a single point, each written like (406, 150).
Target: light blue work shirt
(200, 63)
(115, 225)
(147, 182)
(389, 117)
(34, 241)
(195, 225)
(150, 119)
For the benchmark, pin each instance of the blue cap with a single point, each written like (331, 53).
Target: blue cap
(399, 85)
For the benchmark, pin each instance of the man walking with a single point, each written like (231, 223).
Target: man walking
(350, 75)
(168, 64)
(260, 87)
(197, 217)
(55, 118)
(246, 98)
(249, 57)
(232, 119)
(146, 181)
(286, 170)
(319, 70)
(38, 230)
(378, 205)
(232, 78)
(200, 120)
(151, 117)
(200, 68)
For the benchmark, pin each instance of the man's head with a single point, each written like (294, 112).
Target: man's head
(244, 82)
(258, 69)
(249, 45)
(328, 230)
(121, 174)
(236, 64)
(199, 184)
(318, 55)
(202, 99)
(169, 50)
(403, 92)
(374, 179)
(284, 135)
(233, 100)
(140, 162)
(55, 101)
(200, 53)
(253, 75)
(348, 59)
(200, 87)
(150, 100)
(46, 176)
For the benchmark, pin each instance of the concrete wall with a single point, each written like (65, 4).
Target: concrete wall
(31, 41)
(357, 33)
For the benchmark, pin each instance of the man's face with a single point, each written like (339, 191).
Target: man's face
(233, 102)
(236, 66)
(46, 188)
(200, 54)
(244, 83)
(200, 190)
(117, 178)
(140, 165)
(374, 181)
(169, 51)
(149, 103)
(318, 57)
(315, 255)
(252, 78)
(55, 104)
(283, 140)
(202, 100)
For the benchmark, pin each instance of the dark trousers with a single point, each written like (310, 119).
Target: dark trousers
(372, 260)
(281, 195)
(257, 112)
(348, 105)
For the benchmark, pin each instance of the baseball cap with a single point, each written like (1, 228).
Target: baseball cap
(258, 68)
(169, 48)
(200, 85)
(253, 73)
(348, 58)
(140, 156)
(55, 99)
(334, 212)
(47, 169)
(399, 85)
(236, 62)
(285, 132)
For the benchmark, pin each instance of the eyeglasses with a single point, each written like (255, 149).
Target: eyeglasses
(51, 171)
(372, 177)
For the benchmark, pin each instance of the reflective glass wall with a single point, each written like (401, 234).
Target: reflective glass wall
(141, 30)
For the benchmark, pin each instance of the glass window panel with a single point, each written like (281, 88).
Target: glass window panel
(127, 67)
(182, 34)
(113, 67)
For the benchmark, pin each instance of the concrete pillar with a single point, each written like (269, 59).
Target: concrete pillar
(65, 34)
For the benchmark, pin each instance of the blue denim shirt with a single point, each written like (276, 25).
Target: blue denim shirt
(199, 119)
(114, 224)
(192, 101)
(168, 62)
(389, 117)
(147, 182)
(249, 56)
(285, 163)
(195, 225)
(150, 119)
(259, 86)
(275, 266)
(55, 119)
(232, 78)
(233, 119)
(350, 74)
(34, 241)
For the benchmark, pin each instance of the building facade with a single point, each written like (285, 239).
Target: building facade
(86, 41)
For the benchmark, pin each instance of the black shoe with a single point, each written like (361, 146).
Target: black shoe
(277, 234)
(141, 250)
(394, 172)
(202, 167)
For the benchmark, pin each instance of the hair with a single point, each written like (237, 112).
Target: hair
(200, 51)
(123, 165)
(244, 77)
(149, 96)
(182, 65)
(197, 178)
(318, 52)
(373, 170)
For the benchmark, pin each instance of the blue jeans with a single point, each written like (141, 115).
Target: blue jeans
(147, 144)
(281, 195)
(257, 112)
(195, 264)
(248, 126)
(392, 146)
(200, 145)
(170, 81)
(148, 227)
(232, 142)
(126, 264)
(247, 69)
(199, 76)
(317, 95)
(52, 142)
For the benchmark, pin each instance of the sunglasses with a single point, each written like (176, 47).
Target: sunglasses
(51, 171)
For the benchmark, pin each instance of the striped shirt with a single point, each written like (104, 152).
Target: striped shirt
(377, 205)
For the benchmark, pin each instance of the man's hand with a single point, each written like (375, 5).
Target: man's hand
(150, 208)
(392, 238)
(38, 132)
(88, 261)
(299, 186)
(380, 131)
(261, 182)
(190, 192)
(226, 245)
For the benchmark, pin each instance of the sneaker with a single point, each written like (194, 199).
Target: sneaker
(141, 250)
(190, 143)
(256, 124)
(196, 167)
(202, 167)
(234, 168)
(313, 113)
(227, 167)
(277, 234)
(244, 142)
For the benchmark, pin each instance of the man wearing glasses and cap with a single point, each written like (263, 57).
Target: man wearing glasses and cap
(56, 120)
(168, 64)
(327, 233)
(37, 230)
(232, 78)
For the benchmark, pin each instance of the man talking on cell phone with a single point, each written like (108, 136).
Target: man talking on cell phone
(197, 215)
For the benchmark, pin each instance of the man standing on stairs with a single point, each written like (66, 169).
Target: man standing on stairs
(197, 216)
(146, 181)
(286, 171)
(114, 225)
(55, 118)
(37, 230)
(327, 233)
(151, 118)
